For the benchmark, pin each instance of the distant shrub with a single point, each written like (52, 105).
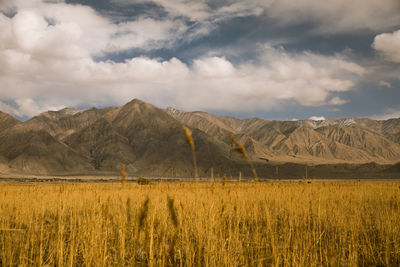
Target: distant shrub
(143, 181)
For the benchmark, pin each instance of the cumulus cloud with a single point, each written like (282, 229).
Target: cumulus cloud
(87, 29)
(388, 44)
(214, 67)
(47, 56)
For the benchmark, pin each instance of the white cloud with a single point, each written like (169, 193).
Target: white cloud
(389, 114)
(53, 63)
(338, 15)
(385, 84)
(26, 107)
(83, 27)
(317, 118)
(333, 17)
(203, 18)
(389, 45)
(214, 67)
(33, 35)
(9, 109)
(145, 33)
(200, 11)
(337, 101)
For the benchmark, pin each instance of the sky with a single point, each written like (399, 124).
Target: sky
(272, 59)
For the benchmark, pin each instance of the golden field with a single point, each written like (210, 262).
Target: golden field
(200, 224)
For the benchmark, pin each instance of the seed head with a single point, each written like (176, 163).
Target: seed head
(188, 136)
(239, 147)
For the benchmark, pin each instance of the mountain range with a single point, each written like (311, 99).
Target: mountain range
(150, 141)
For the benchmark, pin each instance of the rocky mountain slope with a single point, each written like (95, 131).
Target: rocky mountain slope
(150, 141)
(329, 141)
(145, 138)
(7, 121)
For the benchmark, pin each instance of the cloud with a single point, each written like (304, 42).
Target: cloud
(336, 17)
(390, 114)
(9, 109)
(385, 84)
(146, 34)
(337, 101)
(214, 67)
(339, 15)
(388, 44)
(201, 11)
(25, 107)
(47, 55)
(317, 118)
(86, 29)
(200, 17)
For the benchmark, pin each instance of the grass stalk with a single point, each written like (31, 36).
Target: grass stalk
(242, 150)
(190, 141)
(124, 175)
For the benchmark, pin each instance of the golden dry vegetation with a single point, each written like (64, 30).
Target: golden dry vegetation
(200, 224)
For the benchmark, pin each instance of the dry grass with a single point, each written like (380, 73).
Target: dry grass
(203, 224)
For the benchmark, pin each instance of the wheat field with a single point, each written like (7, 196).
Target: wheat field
(200, 224)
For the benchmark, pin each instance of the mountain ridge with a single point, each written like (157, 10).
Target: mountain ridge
(340, 140)
(150, 141)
